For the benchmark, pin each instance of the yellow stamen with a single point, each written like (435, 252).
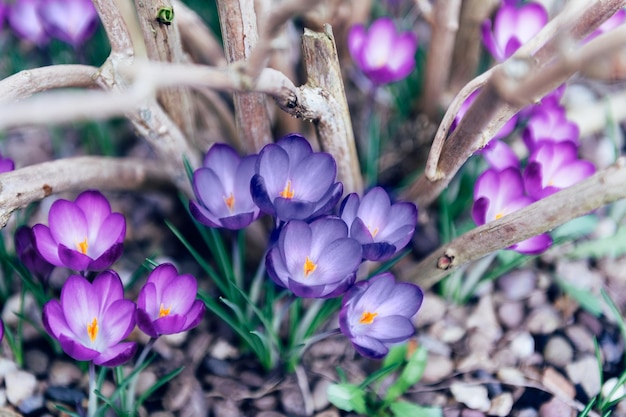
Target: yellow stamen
(373, 232)
(367, 317)
(309, 267)
(230, 202)
(288, 191)
(499, 216)
(82, 246)
(92, 329)
(164, 311)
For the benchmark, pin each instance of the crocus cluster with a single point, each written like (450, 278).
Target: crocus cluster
(313, 254)
(92, 319)
(553, 164)
(512, 26)
(382, 53)
(38, 21)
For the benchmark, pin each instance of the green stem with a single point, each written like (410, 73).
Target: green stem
(93, 399)
(132, 385)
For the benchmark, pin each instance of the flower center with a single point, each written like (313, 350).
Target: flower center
(287, 192)
(164, 311)
(373, 232)
(309, 266)
(230, 202)
(82, 246)
(92, 329)
(367, 317)
(499, 215)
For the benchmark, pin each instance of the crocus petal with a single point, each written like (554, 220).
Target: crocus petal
(391, 329)
(360, 232)
(479, 210)
(402, 61)
(116, 355)
(315, 174)
(295, 241)
(287, 209)
(76, 350)
(380, 251)
(46, 245)
(107, 259)
(238, 221)
(118, 321)
(181, 296)
(77, 295)
(96, 209)
(223, 161)
(369, 347)
(273, 166)
(67, 223)
(260, 195)
(194, 315)
(326, 230)
(170, 324)
(210, 192)
(145, 323)
(349, 207)
(356, 38)
(341, 258)
(73, 259)
(109, 285)
(533, 246)
(203, 215)
(379, 43)
(54, 320)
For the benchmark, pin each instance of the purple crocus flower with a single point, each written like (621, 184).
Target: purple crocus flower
(316, 260)
(83, 235)
(222, 187)
(548, 122)
(28, 254)
(6, 164)
(377, 313)
(26, 23)
(611, 23)
(380, 227)
(498, 193)
(72, 21)
(382, 53)
(293, 182)
(499, 155)
(167, 302)
(504, 131)
(1, 330)
(92, 319)
(512, 27)
(4, 10)
(554, 166)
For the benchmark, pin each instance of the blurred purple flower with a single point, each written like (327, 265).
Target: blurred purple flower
(383, 54)
(4, 11)
(377, 313)
(380, 227)
(499, 155)
(293, 182)
(1, 330)
(498, 193)
(29, 255)
(83, 235)
(71, 21)
(6, 164)
(91, 320)
(512, 27)
(548, 122)
(167, 302)
(504, 130)
(554, 166)
(611, 23)
(222, 187)
(26, 23)
(316, 260)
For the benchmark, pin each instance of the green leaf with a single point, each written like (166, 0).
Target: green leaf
(347, 397)
(162, 381)
(403, 409)
(611, 246)
(576, 228)
(396, 354)
(410, 375)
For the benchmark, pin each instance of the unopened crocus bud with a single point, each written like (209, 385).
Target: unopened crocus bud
(71, 21)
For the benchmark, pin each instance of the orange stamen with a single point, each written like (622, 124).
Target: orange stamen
(309, 267)
(367, 317)
(373, 232)
(82, 246)
(92, 329)
(164, 311)
(230, 202)
(288, 191)
(499, 216)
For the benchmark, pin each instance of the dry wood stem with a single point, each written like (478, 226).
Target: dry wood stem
(32, 183)
(602, 188)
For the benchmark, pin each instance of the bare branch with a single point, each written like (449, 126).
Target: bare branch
(602, 188)
(439, 58)
(114, 21)
(480, 124)
(197, 38)
(28, 82)
(238, 21)
(32, 183)
(334, 126)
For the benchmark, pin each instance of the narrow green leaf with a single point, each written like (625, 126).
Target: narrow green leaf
(586, 299)
(162, 381)
(347, 397)
(404, 409)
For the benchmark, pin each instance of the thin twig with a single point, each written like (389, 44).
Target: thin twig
(446, 13)
(32, 183)
(198, 40)
(28, 82)
(238, 22)
(602, 188)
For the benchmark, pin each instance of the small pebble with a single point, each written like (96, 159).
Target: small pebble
(543, 320)
(223, 350)
(585, 372)
(581, 338)
(555, 382)
(522, 345)
(328, 413)
(36, 361)
(437, 368)
(292, 401)
(433, 309)
(501, 405)
(19, 385)
(558, 351)
(31, 405)
(69, 396)
(518, 284)
(473, 396)
(265, 403)
(556, 408)
(270, 414)
(511, 314)
(64, 373)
